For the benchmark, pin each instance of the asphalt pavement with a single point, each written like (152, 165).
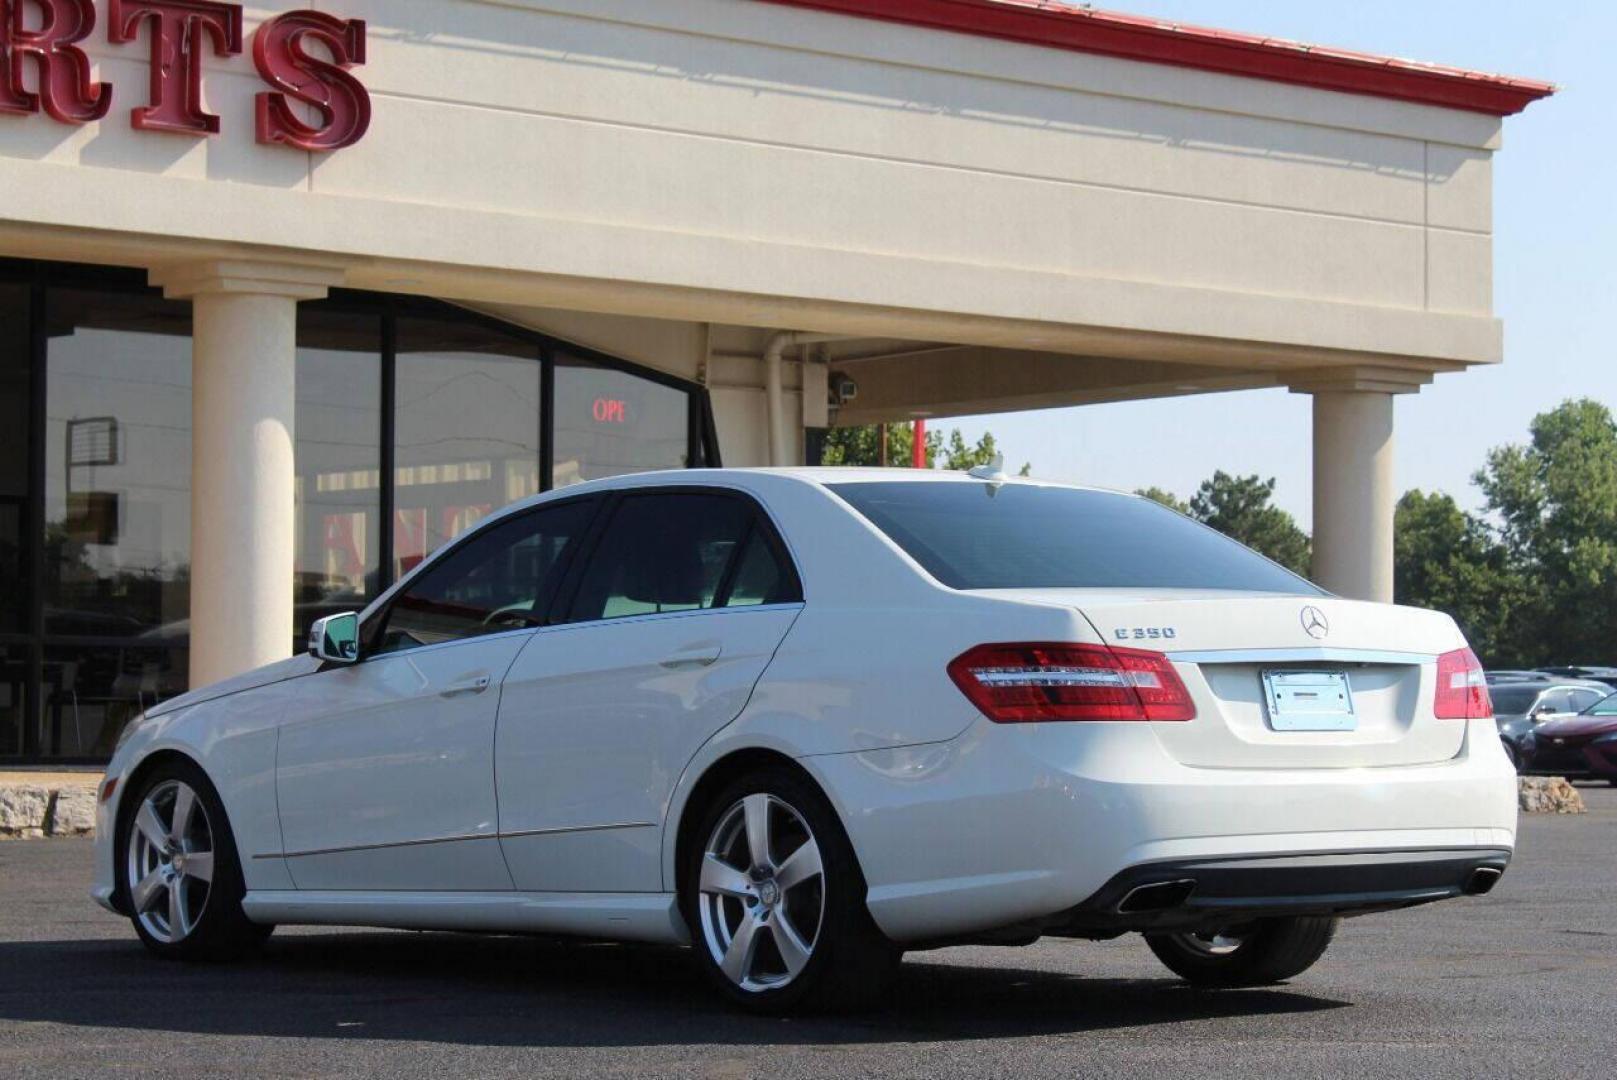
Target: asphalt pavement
(1521, 982)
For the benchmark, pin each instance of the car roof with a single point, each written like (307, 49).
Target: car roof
(829, 475)
(813, 476)
(1551, 683)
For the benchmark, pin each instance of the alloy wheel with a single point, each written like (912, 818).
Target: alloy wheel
(761, 893)
(171, 846)
(1220, 942)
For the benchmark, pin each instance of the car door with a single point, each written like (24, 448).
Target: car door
(659, 639)
(385, 777)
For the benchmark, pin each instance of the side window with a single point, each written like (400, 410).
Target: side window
(661, 553)
(760, 577)
(1582, 699)
(500, 579)
(1559, 701)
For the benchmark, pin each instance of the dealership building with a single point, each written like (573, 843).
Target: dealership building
(290, 298)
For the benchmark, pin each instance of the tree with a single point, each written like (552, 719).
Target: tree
(1166, 498)
(1240, 507)
(960, 457)
(1450, 561)
(1556, 503)
(862, 446)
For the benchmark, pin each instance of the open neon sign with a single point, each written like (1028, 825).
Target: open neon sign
(180, 33)
(610, 411)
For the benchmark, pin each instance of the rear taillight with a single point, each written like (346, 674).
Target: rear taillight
(1031, 683)
(1462, 688)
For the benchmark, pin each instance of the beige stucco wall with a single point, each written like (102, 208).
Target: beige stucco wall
(733, 162)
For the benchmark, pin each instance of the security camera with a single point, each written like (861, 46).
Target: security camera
(844, 389)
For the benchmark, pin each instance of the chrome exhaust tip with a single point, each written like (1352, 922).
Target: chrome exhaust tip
(1157, 896)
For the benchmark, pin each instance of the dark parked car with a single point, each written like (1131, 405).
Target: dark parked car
(1606, 676)
(1576, 746)
(1520, 705)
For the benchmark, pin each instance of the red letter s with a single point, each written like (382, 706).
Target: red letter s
(180, 32)
(342, 101)
(65, 88)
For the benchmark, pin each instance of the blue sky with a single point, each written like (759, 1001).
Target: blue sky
(1555, 283)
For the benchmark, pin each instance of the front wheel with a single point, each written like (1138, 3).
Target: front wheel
(181, 876)
(775, 901)
(1250, 954)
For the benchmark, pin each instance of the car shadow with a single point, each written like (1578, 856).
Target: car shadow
(456, 989)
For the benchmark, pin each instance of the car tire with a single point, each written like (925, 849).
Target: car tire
(1257, 954)
(179, 873)
(749, 902)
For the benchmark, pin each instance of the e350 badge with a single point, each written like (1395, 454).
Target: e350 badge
(1146, 633)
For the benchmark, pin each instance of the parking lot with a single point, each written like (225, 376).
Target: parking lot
(1521, 982)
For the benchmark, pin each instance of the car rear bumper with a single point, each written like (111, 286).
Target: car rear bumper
(1026, 826)
(1191, 894)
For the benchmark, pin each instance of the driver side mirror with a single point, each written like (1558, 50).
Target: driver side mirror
(335, 639)
(1543, 711)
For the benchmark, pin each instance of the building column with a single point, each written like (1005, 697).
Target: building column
(244, 390)
(1355, 493)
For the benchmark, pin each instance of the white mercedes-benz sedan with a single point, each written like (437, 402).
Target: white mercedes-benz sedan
(805, 720)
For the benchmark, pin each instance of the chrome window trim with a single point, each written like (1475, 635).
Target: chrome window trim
(656, 616)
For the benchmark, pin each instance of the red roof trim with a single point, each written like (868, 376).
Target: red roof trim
(1061, 26)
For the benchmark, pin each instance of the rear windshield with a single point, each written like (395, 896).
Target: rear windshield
(1020, 536)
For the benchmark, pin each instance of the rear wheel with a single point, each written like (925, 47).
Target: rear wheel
(181, 874)
(1248, 954)
(775, 901)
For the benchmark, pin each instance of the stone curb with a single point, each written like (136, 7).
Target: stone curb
(31, 812)
(1548, 795)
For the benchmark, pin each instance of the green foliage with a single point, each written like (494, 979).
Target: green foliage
(862, 446)
(1166, 498)
(1555, 500)
(1450, 561)
(1242, 507)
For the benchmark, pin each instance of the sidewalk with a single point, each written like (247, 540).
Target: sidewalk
(40, 803)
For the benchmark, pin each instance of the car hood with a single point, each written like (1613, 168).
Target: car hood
(1573, 726)
(270, 673)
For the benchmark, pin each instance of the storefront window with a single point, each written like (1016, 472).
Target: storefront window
(107, 571)
(339, 462)
(90, 692)
(117, 464)
(14, 679)
(610, 422)
(13, 457)
(467, 431)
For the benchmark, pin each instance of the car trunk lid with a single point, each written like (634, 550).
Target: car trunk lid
(1266, 672)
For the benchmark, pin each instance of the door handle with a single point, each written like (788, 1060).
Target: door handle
(467, 686)
(694, 657)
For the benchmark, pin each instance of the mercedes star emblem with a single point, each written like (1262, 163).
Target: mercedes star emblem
(1315, 624)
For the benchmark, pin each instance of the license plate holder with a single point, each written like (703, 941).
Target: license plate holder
(1309, 701)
